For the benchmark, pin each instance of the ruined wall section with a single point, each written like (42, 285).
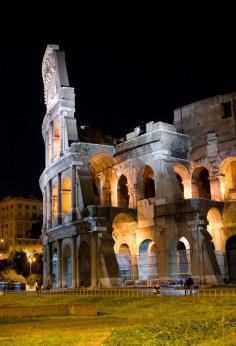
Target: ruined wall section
(216, 114)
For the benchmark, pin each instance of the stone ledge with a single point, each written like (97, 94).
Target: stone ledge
(47, 310)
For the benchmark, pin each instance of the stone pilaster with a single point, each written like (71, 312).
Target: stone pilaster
(49, 263)
(59, 214)
(215, 188)
(94, 260)
(49, 203)
(59, 258)
(73, 192)
(74, 263)
(45, 265)
(51, 141)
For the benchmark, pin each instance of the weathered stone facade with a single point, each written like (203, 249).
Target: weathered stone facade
(160, 204)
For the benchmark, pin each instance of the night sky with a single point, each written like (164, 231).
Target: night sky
(120, 78)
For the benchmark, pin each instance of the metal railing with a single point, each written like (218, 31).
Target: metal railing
(124, 292)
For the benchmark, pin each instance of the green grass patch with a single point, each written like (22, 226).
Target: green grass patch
(125, 321)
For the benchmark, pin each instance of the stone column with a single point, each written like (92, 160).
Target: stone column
(187, 188)
(223, 191)
(131, 193)
(45, 209)
(47, 159)
(163, 254)
(74, 263)
(59, 214)
(49, 203)
(59, 259)
(73, 192)
(215, 188)
(49, 263)
(45, 272)
(94, 259)
(52, 141)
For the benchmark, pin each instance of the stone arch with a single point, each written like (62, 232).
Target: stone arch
(183, 178)
(56, 139)
(54, 201)
(123, 223)
(124, 227)
(201, 183)
(145, 181)
(66, 195)
(147, 260)
(122, 192)
(84, 264)
(100, 165)
(67, 265)
(231, 257)
(228, 178)
(179, 258)
(148, 183)
(215, 227)
(124, 262)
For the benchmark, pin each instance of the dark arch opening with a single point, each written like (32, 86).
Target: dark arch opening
(180, 182)
(149, 188)
(122, 192)
(231, 257)
(84, 265)
(201, 183)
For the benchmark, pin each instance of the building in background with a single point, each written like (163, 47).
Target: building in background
(160, 203)
(19, 217)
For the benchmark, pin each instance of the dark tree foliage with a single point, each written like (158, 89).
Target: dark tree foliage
(36, 230)
(18, 261)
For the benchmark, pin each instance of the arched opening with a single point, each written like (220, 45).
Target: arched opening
(201, 183)
(124, 262)
(66, 196)
(67, 267)
(228, 178)
(56, 139)
(147, 261)
(215, 229)
(179, 258)
(122, 192)
(183, 179)
(100, 165)
(54, 201)
(55, 268)
(124, 227)
(84, 265)
(148, 183)
(180, 184)
(231, 257)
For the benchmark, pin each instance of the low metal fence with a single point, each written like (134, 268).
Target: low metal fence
(124, 292)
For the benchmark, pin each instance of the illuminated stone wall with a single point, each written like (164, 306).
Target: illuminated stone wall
(160, 204)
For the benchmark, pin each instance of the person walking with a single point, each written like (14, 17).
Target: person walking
(188, 286)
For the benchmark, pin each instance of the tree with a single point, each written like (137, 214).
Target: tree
(18, 262)
(10, 275)
(36, 230)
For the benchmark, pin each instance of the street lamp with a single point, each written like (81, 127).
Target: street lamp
(31, 259)
(2, 245)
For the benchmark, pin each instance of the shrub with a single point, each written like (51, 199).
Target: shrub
(31, 279)
(10, 275)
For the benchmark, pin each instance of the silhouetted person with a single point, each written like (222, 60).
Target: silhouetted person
(188, 285)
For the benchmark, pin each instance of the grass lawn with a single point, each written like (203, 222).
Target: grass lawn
(147, 321)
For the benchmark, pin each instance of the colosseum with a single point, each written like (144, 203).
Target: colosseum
(160, 203)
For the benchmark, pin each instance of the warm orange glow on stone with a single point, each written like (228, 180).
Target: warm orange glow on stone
(66, 195)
